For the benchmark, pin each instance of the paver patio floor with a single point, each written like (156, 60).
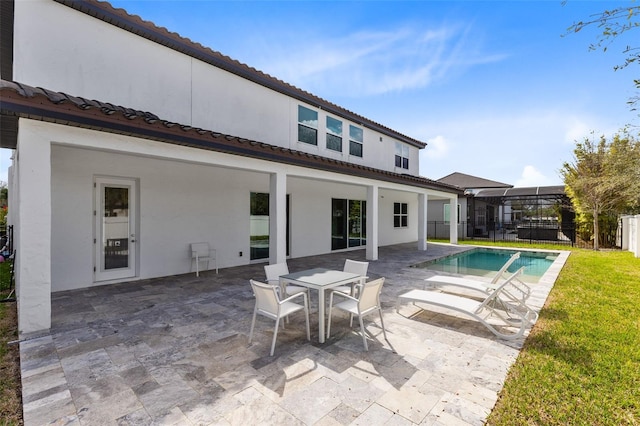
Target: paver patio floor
(175, 350)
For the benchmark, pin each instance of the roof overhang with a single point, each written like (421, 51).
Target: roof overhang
(19, 100)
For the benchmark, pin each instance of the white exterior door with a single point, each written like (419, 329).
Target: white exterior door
(115, 228)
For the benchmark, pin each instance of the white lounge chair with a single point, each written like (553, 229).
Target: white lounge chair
(511, 311)
(516, 287)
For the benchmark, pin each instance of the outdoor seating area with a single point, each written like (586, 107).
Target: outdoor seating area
(186, 350)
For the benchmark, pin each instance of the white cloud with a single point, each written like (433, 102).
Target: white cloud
(375, 62)
(533, 177)
(437, 148)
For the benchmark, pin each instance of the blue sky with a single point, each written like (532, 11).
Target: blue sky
(493, 88)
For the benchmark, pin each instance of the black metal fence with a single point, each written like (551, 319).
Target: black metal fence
(523, 232)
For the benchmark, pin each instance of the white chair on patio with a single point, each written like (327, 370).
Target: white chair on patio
(268, 303)
(355, 267)
(201, 252)
(273, 274)
(367, 302)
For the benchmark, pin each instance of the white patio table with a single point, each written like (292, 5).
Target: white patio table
(320, 279)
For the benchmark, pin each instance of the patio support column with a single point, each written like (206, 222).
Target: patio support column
(422, 221)
(372, 222)
(33, 220)
(453, 221)
(277, 217)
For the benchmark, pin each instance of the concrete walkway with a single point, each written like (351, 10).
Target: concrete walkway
(175, 350)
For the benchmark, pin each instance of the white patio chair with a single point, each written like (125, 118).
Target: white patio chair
(355, 267)
(268, 303)
(273, 274)
(502, 305)
(516, 287)
(367, 302)
(201, 252)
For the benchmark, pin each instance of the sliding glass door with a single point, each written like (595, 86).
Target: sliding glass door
(348, 223)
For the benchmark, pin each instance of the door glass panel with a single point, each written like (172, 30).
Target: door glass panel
(338, 224)
(259, 226)
(355, 223)
(115, 227)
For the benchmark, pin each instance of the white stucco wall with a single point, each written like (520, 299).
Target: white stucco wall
(90, 58)
(184, 201)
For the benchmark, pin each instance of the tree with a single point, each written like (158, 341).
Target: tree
(614, 24)
(604, 178)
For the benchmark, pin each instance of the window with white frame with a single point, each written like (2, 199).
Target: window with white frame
(307, 125)
(447, 213)
(334, 134)
(356, 137)
(402, 156)
(400, 215)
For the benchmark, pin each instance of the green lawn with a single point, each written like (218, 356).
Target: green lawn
(10, 389)
(581, 363)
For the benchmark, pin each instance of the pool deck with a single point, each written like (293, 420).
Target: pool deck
(175, 351)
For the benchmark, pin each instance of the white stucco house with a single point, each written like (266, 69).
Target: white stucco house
(131, 142)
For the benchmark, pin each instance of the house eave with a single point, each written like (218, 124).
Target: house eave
(19, 100)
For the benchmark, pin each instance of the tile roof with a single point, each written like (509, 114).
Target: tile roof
(20, 100)
(471, 182)
(121, 18)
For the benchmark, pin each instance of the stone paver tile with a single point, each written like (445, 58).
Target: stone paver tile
(313, 402)
(478, 395)
(209, 409)
(374, 415)
(105, 410)
(174, 416)
(261, 411)
(341, 415)
(409, 402)
(357, 394)
(239, 378)
(364, 370)
(467, 411)
(54, 406)
(166, 397)
(94, 390)
(39, 385)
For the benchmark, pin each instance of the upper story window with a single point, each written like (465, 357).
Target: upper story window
(402, 155)
(355, 141)
(334, 134)
(400, 215)
(307, 125)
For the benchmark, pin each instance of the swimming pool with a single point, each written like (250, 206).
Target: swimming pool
(486, 262)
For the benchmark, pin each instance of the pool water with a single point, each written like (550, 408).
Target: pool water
(486, 262)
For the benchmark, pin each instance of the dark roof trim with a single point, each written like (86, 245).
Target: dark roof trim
(556, 191)
(134, 24)
(19, 100)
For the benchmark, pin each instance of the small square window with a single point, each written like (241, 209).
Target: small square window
(400, 215)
